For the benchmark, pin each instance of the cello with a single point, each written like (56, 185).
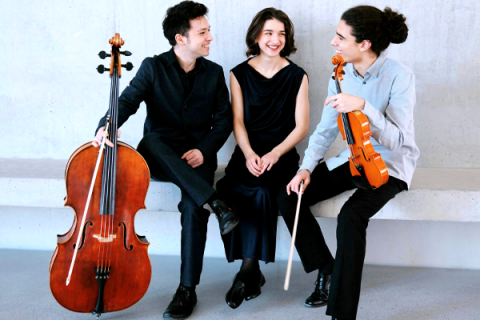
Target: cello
(101, 265)
(367, 167)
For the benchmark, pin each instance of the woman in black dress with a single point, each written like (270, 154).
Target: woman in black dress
(271, 112)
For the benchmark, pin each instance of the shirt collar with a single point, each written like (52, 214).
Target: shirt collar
(374, 68)
(377, 65)
(172, 58)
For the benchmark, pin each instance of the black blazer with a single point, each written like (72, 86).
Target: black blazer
(203, 120)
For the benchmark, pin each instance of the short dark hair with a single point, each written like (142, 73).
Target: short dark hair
(177, 19)
(257, 25)
(380, 28)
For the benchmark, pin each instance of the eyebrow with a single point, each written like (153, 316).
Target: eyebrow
(340, 35)
(268, 30)
(199, 30)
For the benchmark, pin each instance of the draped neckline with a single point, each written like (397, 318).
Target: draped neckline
(256, 71)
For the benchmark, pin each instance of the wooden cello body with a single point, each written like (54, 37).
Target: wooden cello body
(366, 165)
(105, 261)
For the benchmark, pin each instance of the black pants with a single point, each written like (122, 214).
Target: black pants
(196, 187)
(351, 231)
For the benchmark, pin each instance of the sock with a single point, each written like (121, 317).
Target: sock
(211, 199)
(327, 270)
(250, 270)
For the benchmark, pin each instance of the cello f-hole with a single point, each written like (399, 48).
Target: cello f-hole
(89, 223)
(124, 227)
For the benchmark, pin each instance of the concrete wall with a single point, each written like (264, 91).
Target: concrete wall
(51, 96)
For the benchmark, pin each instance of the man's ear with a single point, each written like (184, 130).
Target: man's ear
(366, 44)
(180, 39)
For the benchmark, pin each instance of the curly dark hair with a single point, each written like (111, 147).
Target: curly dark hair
(257, 25)
(177, 19)
(380, 28)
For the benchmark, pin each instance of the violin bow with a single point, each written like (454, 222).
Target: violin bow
(294, 234)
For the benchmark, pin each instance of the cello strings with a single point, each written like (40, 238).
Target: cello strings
(105, 187)
(114, 166)
(112, 154)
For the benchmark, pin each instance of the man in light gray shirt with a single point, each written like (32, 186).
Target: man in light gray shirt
(384, 90)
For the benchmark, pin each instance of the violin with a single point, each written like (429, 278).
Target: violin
(101, 265)
(368, 169)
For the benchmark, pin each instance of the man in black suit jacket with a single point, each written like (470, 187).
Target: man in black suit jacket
(189, 118)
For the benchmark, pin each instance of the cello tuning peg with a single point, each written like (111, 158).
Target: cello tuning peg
(127, 53)
(343, 72)
(102, 69)
(333, 77)
(128, 66)
(103, 54)
(344, 64)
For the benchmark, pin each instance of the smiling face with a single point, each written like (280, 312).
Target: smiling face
(198, 38)
(345, 44)
(271, 39)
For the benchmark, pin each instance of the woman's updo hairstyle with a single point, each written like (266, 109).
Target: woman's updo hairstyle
(380, 28)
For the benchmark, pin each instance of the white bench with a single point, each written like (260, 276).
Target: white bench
(435, 195)
(32, 195)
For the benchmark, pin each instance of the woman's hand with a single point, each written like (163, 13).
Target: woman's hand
(344, 103)
(294, 185)
(269, 159)
(254, 164)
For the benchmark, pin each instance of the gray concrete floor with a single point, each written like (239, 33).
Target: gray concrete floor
(394, 293)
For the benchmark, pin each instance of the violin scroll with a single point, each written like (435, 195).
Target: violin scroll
(340, 63)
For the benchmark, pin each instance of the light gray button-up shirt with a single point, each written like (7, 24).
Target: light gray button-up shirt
(389, 92)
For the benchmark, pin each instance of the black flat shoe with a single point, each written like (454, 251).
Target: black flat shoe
(227, 218)
(236, 294)
(181, 307)
(319, 297)
(254, 290)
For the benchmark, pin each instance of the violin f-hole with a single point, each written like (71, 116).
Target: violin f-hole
(363, 152)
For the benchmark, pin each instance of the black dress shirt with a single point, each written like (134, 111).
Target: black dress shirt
(191, 109)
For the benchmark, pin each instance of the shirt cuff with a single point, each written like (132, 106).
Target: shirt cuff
(308, 164)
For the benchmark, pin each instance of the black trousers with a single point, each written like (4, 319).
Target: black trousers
(351, 231)
(196, 187)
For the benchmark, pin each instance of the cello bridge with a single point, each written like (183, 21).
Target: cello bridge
(105, 239)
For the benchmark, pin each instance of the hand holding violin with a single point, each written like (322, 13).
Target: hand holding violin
(344, 103)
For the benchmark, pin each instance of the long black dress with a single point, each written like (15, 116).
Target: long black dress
(269, 117)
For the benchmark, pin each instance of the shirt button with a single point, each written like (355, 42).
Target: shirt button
(364, 82)
(185, 107)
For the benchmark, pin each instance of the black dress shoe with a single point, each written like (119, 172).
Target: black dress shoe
(319, 297)
(254, 289)
(227, 218)
(184, 300)
(244, 290)
(236, 294)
